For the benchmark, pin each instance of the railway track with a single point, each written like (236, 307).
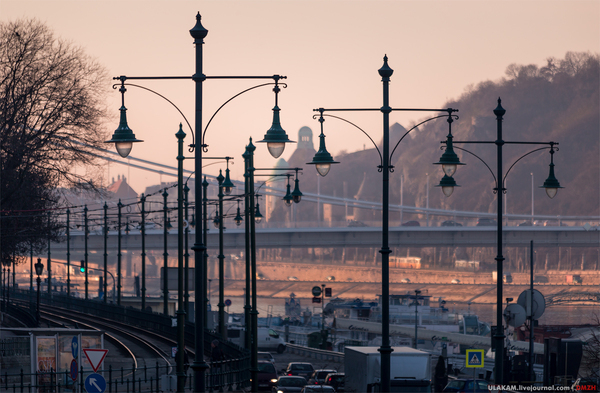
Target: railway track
(129, 340)
(133, 344)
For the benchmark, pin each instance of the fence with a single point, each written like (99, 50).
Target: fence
(226, 375)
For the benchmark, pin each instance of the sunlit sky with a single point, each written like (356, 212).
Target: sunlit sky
(329, 50)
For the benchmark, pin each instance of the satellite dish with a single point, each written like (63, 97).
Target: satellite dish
(539, 303)
(514, 315)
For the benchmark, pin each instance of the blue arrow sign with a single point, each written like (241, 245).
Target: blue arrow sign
(95, 383)
(75, 347)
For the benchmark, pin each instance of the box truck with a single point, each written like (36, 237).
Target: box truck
(410, 370)
(267, 338)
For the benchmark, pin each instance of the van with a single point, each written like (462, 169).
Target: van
(268, 339)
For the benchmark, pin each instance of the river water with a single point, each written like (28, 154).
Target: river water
(570, 315)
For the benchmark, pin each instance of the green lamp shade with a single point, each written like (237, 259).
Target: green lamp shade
(227, 184)
(123, 137)
(238, 218)
(288, 199)
(447, 183)
(322, 159)
(257, 216)
(276, 138)
(449, 160)
(551, 184)
(296, 194)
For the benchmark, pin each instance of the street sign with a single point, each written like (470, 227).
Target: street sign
(327, 292)
(95, 357)
(95, 383)
(75, 347)
(74, 370)
(227, 302)
(316, 291)
(474, 358)
(316, 300)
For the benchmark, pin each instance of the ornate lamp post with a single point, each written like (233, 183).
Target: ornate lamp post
(39, 269)
(253, 217)
(416, 304)
(124, 139)
(449, 162)
(323, 160)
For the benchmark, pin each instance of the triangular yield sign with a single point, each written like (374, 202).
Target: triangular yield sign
(95, 357)
(475, 359)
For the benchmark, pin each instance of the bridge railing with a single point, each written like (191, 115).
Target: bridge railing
(221, 376)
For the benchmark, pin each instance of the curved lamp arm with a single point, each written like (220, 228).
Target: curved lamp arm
(523, 156)
(484, 163)
(363, 131)
(205, 146)
(407, 132)
(169, 101)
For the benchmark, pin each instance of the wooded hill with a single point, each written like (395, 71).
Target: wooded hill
(557, 102)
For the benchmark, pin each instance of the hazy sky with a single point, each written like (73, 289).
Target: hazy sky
(329, 50)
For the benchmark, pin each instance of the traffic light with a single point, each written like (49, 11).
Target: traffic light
(82, 267)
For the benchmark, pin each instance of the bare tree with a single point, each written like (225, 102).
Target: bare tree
(51, 112)
(590, 365)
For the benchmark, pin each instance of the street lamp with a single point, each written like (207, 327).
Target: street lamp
(238, 217)
(124, 139)
(257, 216)
(449, 162)
(250, 242)
(323, 160)
(416, 304)
(220, 217)
(39, 269)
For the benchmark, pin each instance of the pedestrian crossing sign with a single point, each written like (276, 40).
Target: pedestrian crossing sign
(474, 358)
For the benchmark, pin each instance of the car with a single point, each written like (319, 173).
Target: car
(466, 386)
(299, 369)
(318, 376)
(331, 278)
(336, 380)
(455, 281)
(405, 281)
(450, 223)
(266, 375)
(411, 224)
(292, 278)
(486, 222)
(318, 389)
(526, 224)
(266, 356)
(289, 384)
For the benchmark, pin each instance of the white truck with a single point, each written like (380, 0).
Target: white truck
(410, 370)
(267, 338)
